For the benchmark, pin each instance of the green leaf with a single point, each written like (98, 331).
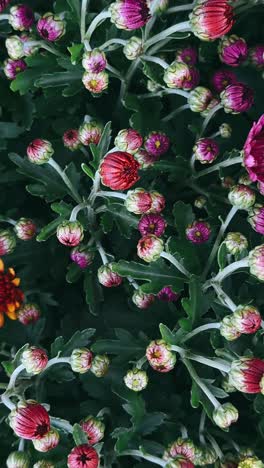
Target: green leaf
(78, 340)
(56, 346)
(37, 65)
(168, 335)
(157, 274)
(194, 305)
(124, 220)
(183, 215)
(10, 130)
(125, 346)
(87, 170)
(93, 291)
(10, 366)
(222, 256)
(154, 72)
(100, 150)
(73, 274)
(75, 7)
(62, 208)
(78, 434)
(58, 79)
(49, 230)
(76, 53)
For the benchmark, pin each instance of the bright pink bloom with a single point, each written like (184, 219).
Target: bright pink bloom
(30, 421)
(160, 357)
(149, 248)
(246, 374)
(50, 27)
(223, 78)
(83, 456)
(237, 98)
(71, 139)
(256, 218)
(256, 55)
(90, 132)
(142, 300)
(82, 256)
(158, 202)
(187, 55)
(145, 159)
(157, 144)
(256, 262)
(254, 151)
(247, 319)
(119, 170)
(96, 83)
(94, 61)
(167, 295)
(181, 75)
(21, 17)
(107, 277)
(152, 224)
(7, 242)
(129, 140)
(182, 447)
(129, 14)
(4, 4)
(13, 67)
(29, 313)
(138, 201)
(211, 19)
(25, 229)
(233, 50)
(39, 151)
(206, 150)
(198, 232)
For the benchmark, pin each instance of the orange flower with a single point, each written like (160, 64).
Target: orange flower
(11, 296)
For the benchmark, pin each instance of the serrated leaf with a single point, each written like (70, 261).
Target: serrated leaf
(78, 434)
(93, 291)
(124, 220)
(183, 215)
(49, 230)
(125, 346)
(78, 340)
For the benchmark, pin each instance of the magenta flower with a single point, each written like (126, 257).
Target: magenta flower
(237, 98)
(206, 150)
(167, 295)
(142, 300)
(82, 256)
(198, 232)
(129, 14)
(256, 218)
(223, 78)
(21, 17)
(254, 151)
(13, 67)
(50, 27)
(152, 224)
(4, 4)
(233, 50)
(157, 144)
(94, 61)
(187, 55)
(71, 139)
(128, 140)
(256, 55)
(145, 159)
(160, 357)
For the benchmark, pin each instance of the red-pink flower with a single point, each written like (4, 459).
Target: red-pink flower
(160, 357)
(256, 55)
(39, 151)
(83, 456)
(129, 140)
(223, 78)
(206, 150)
(247, 319)
(30, 420)
(107, 277)
(233, 50)
(187, 55)
(70, 233)
(254, 151)
(167, 295)
(29, 313)
(237, 98)
(94, 428)
(13, 67)
(256, 218)
(25, 229)
(211, 19)
(246, 374)
(152, 224)
(50, 27)
(129, 14)
(21, 17)
(71, 139)
(182, 447)
(119, 170)
(138, 201)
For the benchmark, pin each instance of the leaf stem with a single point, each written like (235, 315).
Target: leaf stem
(202, 328)
(138, 453)
(85, 4)
(57, 360)
(227, 163)
(65, 179)
(112, 41)
(111, 194)
(228, 271)
(157, 60)
(201, 384)
(210, 116)
(184, 26)
(223, 297)
(176, 263)
(180, 8)
(61, 424)
(76, 210)
(99, 19)
(4, 17)
(102, 253)
(220, 235)
(175, 112)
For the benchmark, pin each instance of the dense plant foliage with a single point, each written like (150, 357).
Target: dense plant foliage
(131, 240)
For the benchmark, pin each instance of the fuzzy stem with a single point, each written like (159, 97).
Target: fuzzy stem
(180, 8)
(99, 19)
(201, 427)
(133, 282)
(96, 186)
(112, 41)
(202, 328)
(227, 163)
(216, 364)
(4, 219)
(111, 194)
(210, 116)
(141, 362)
(138, 453)
(7, 402)
(85, 4)
(175, 262)
(184, 432)
(61, 424)
(115, 72)
(21, 445)
(56, 360)
(179, 92)
(175, 112)
(102, 253)
(220, 235)
(76, 210)
(45, 46)
(184, 26)
(4, 17)
(157, 60)
(224, 298)
(5, 398)
(215, 446)
(201, 384)
(65, 179)
(214, 135)
(230, 269)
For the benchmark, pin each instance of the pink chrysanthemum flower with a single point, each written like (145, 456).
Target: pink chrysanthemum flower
(233, 50)
(167, 295)
(223, 78)
(152, 224)
(254, 151)
(198, 232)
(157, 144)
(129, 14)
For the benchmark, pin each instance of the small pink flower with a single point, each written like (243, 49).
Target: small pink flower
(198, 232)
(39, 151)
(94, 428)
(138, 201)
(4, 4)
(21, 17)
(233, 50)
(129, 14)
(167, 295)
(145, 159)
(187, 55)
(81, 360)
(206, 150)
(70, 233)
(183, 447)
(261, 188)
(182, 76)
(107, 277)
(29, 313)
(246, 374)
(7, 242)
(211, 19)
(256, 55)
(149, 248)
(157, 144)
(50, 27)
(223, 78)
(160, 357)
(152, 224)
(30, 420)
(247, 319)
(94, 61)
(237, 98)
(142, 300)
(256, 218)
(34, 360)
(48, 442)
(13, 67)
(90, 132)
(83, 456)
(158, 202)
(256, 262)
(128, 140)
(119, 170)
(199, 99)
(82, 256)
(96, 83)
(71, 139)
(25, 229)
(253, 151)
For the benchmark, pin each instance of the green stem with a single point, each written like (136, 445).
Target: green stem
(115, 72)
(202, 328)
(215, 446)
(227, 163)
(224, 298)
(66, 180)
(215, 363)
(112, 41)
(111, 194)
(45, 46)
(85, 4)
(157, 60)
(141, 362)
(102, 253)
(175, 112)
(21, 445)
(180, 8)
(210, 116)
(61, 424)
(4, 397)
(218, 240)
(179, 92)
(151, 458)
(229, 270)
(76, 210)
(56, 360)
(4, 219)
(176, 263)
(201, 428)
(184, 26)
(4, 17)
(201, 384)
(99, 19)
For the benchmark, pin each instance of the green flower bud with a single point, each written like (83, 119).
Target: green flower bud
(15, 47)
(100, 365)
(235, 243)
(252, 462)
(81, 360)
(136, 380)
(133, 48)
(242, 197)
(225, 130)
(18, 460)
(228, 329)
(225, 415)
